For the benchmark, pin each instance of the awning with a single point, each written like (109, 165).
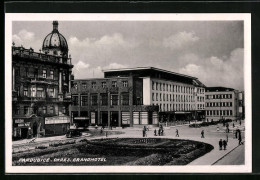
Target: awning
(181, 112)
(81, 118)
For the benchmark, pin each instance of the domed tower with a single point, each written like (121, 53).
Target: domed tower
(55, 43)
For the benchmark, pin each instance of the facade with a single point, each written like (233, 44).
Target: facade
(223, 103)
(41, 87)
(137, 97)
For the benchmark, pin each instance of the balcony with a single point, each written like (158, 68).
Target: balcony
(29, 53)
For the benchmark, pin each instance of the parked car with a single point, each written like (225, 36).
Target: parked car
(204, 124)
(73, 133)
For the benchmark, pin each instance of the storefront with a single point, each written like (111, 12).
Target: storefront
(27, 127)
(81, 122)
(57, 125)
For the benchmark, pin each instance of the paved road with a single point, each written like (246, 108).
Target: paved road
(236, 157)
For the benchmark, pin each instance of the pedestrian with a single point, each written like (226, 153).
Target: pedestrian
(159, 132)
(239, 138)
(96, 126)
(162, 131)
(240, 122)
(220, 144)
(177, 133)
(227, 137)
(202, 134)
(143, 133)
(224, 144)
(233, 125)
(106, 134)
(217, 128)
(155, 132)
(101, 131)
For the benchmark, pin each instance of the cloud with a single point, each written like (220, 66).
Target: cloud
(82, 70)
(27, 39)
(215, 71)
(180, 40)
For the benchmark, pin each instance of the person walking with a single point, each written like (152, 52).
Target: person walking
(233, 125)
(177, 133)
(224, 144)
(240, 122)
(202, 134)
(220, 144)
(239, 138)
(155, 132)
(143, 133)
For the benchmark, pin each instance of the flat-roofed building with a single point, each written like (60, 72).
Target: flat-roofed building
(223, 103)
(138, 96)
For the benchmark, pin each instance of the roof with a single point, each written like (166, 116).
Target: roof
(147, 68)
(219, 88)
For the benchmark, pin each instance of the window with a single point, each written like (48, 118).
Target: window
(104, 99)
(64, 110)
(157, 86)
(125, 83)
(114, 84)
(40, 92)
(156, 96)
(75, 86)
(104, 84)
(152, 85)
(75, 100)
(93, 85)
(44, 108)
(25, 91)
(114, 99)
(33, 91)
(17, 110)
(84, 100)
(64, 76)
(26, 110)
(51, 110)
(51, 75)
(163, 87)
(44, 73)
(163, 97)
(94, 99)
(125, 98)
(84, 86)
(153, 96)
(51, 92)
(230, 112)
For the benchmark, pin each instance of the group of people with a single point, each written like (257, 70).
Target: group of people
(222, 143)
(160, 131)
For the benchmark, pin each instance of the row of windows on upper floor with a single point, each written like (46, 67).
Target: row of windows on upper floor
(103, 84)
(219, 113)
(178, 98)
(179, 107)
(175, 88)
(219, 104)
(42, 74)
(37, 92)
(27, 110)
(104, 99)
(219, 96)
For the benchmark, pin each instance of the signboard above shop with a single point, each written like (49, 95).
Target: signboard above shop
(57, 120)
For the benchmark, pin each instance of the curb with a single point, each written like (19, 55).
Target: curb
(226, 154)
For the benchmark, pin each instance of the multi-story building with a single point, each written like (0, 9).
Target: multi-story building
(137, 96)
(41, 86)
(223, 103)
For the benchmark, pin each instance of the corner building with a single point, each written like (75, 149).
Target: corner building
(41, 84)
(137, 97)
(224, 103)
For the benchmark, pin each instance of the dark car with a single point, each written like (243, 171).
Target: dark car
(73, 133)
(194, 125)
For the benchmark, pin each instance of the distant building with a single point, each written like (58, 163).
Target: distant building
(224, 103)
(41, 87)
(137, 97)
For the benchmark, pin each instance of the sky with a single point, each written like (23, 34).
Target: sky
(212, 51)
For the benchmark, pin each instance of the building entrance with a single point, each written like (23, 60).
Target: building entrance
(114, 118)
(24, 133)
(104, 118)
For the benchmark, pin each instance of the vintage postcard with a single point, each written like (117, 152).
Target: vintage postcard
(128, 93)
